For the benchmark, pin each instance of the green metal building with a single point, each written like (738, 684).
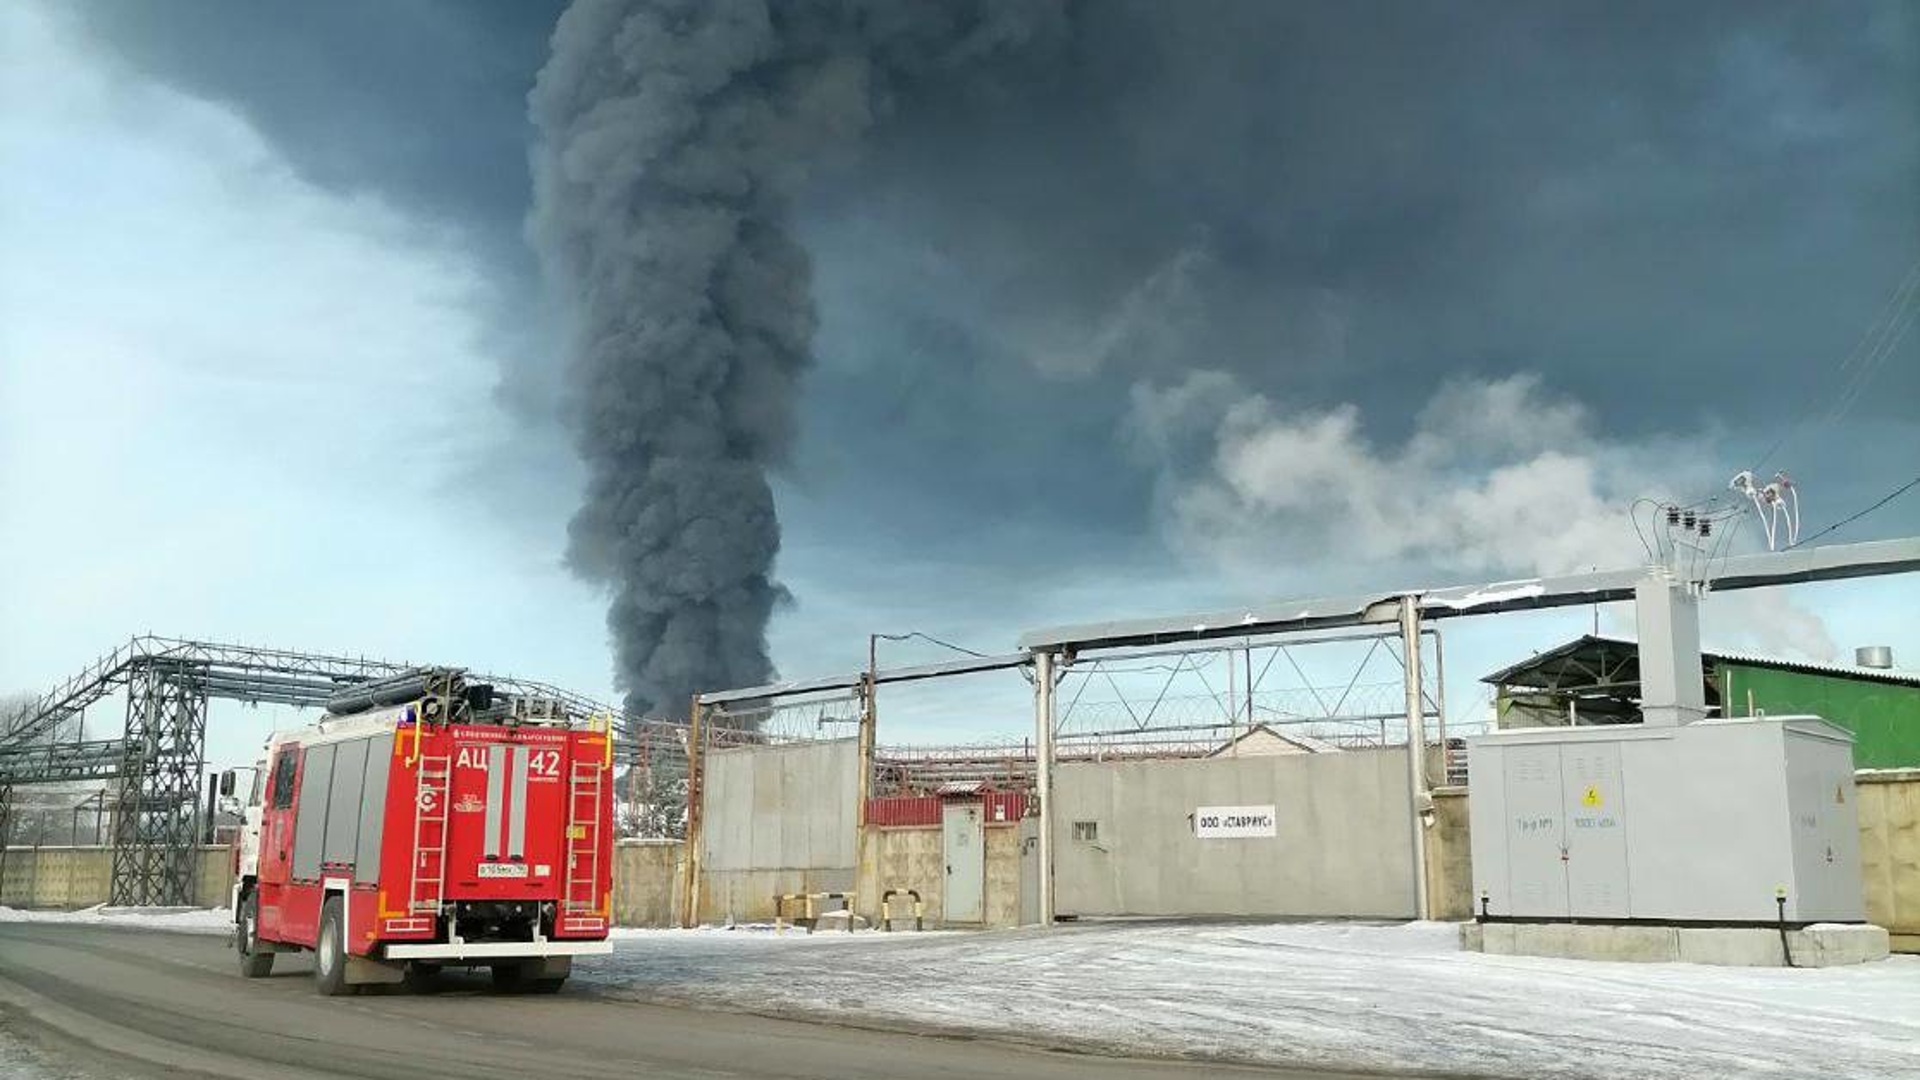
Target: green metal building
(1596, 680)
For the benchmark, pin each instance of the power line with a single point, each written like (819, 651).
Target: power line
(1882, 335)
(1889, 497)
(911, 634)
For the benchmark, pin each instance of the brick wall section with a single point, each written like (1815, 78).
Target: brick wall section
(79, 877)
(1450, 856)
(1890, 852)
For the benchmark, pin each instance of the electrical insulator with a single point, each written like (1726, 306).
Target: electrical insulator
(1706, 528)
(1690, 520)
(1673, 515)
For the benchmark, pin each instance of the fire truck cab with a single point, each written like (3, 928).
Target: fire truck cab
(421, 824)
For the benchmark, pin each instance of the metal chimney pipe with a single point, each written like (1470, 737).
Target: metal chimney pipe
(1874, 656)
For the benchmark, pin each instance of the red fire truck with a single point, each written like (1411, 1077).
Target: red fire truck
(423, 823)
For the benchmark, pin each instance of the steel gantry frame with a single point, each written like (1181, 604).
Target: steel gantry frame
(1664, 598)
(158, 762)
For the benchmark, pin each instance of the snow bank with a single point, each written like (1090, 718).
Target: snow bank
(1331, 995)
(180, 920)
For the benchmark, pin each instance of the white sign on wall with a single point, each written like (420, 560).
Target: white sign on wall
(1233, 822)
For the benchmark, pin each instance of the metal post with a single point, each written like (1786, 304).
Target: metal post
(1417, 793)
(213, 806)
(1666, 610)
(696, 766)
(1247, 655)
(863, 788)
(6, 834)
(1440, 705)
(869, 729)
(1043, 768)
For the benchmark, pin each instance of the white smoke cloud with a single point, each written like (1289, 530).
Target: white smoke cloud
(1496, 477)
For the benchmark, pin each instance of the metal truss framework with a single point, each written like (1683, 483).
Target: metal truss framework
(157, 812)
(159, 761)
(1199, 701)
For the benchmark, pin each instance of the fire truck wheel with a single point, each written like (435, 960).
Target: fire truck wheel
(254, 963)
(330, 954)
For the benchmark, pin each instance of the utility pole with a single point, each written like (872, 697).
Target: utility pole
(1043, 769)
(1417, 794)
(863, 789)
(690, 887)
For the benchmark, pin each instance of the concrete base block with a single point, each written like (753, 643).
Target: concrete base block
(1639, 944)
(1823, 945)
(1834, 944)
(1731, 947)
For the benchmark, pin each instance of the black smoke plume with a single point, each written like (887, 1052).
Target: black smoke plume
(673, 138)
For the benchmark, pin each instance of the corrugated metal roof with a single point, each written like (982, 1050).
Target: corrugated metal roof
(1847, 671)
(1589, 645)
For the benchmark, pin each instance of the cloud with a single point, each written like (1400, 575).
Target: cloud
(1497, 477)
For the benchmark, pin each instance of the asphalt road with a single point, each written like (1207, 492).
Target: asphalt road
(105, 1003)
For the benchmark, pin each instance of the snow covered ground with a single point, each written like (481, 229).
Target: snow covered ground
(180, 920)
(1335, 995)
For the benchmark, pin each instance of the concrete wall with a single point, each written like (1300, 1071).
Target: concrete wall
(78, 877)
(1344, 842)
(902, 858)
(1450, 856)
(1002, 907)
(1889, 804)
(914, 858)
(790, 807)
(646, 880)
(777, 819)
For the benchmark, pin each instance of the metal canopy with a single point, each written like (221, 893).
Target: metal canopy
(1831, 563)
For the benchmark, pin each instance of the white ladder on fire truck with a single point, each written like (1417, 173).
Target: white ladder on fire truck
(430, 836)
(583, 838)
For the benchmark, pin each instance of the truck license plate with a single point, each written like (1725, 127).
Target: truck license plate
(496, 869)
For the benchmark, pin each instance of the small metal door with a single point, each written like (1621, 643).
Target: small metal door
(1536, 836)
(964, 841)
(1595, 804)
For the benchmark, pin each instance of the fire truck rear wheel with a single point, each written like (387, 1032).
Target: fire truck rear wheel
(330, 952)
(254, 962)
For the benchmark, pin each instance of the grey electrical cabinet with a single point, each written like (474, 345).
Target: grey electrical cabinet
(1705, 822)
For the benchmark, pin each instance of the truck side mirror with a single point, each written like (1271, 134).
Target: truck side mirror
(226, 783)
